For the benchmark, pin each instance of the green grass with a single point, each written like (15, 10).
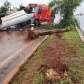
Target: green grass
(75, 58)
(73, 38)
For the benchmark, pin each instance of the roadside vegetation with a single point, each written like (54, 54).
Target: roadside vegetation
(75, 57)
(66, 7)
(4, 8)
(72, 54)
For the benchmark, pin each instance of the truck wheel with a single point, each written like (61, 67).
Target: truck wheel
(28, 22)
(36, 23)
(0, 21)
(8, 29)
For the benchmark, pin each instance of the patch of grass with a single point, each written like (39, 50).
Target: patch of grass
(73, 38)
(75, 56)
(30, 68)
(39, 78)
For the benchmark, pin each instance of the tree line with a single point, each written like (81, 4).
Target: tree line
(4, 8)
(67, 7)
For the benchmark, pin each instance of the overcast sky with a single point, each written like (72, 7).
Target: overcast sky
(80, 9)
(24, 2)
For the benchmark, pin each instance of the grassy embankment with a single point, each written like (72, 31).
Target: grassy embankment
(73, 57)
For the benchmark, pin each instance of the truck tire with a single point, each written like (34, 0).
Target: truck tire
(0, 21)
(28, 22)
(36, 23)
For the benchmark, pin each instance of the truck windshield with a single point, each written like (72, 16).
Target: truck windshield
(31, 10)
(35, 10)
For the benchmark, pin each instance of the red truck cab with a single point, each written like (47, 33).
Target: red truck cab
(42, 13)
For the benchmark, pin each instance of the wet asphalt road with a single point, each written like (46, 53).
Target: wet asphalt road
(10, 42)
(15, 49)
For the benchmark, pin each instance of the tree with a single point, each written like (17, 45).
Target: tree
(55, 6)
(7, 4)
(4, 8)
(67, 7)
(21, 7)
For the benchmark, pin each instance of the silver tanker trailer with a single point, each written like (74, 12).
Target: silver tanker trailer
(16, 19)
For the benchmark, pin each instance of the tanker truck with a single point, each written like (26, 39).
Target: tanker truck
(32, 14)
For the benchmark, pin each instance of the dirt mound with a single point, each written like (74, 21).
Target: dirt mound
(53, 57)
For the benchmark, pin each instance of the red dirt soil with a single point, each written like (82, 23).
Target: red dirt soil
(53, 57)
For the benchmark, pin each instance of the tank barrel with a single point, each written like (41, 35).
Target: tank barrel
(15, 19)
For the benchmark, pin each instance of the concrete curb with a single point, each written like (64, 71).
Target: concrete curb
(23, 58)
